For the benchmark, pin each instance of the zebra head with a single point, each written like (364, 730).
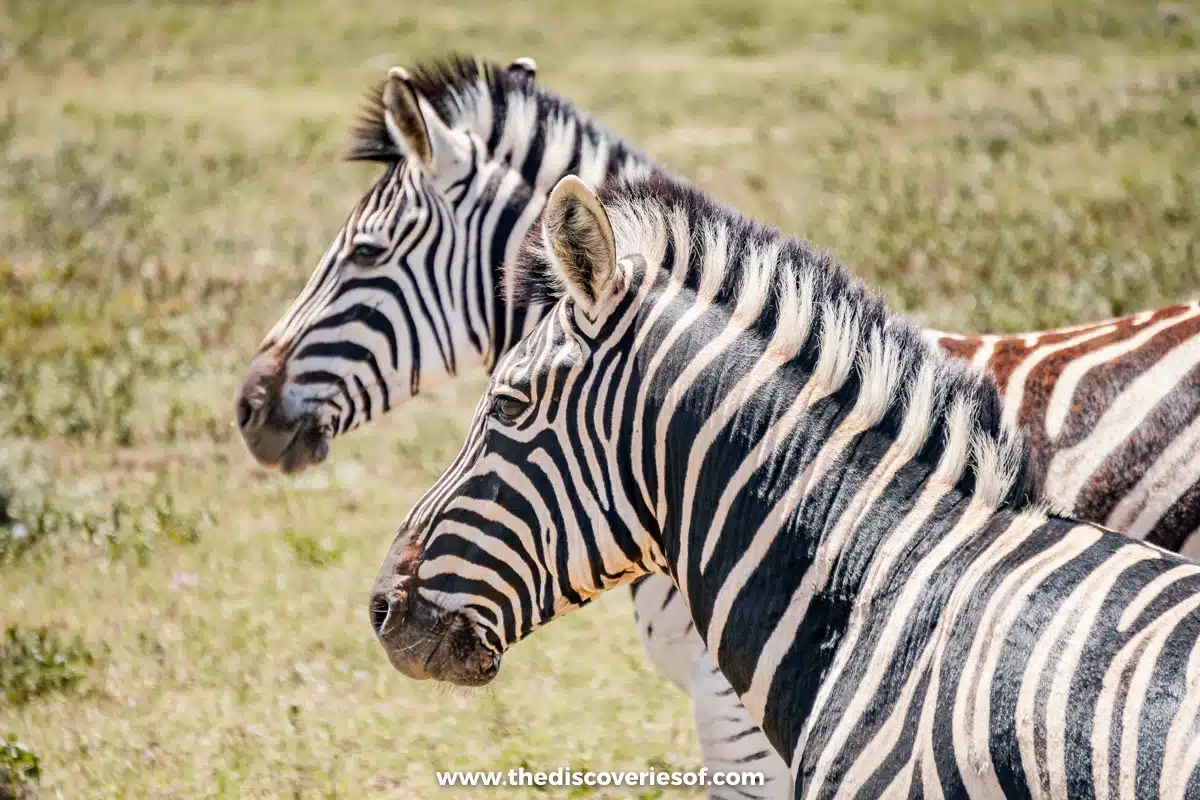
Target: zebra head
(405, 294)
(537, 514)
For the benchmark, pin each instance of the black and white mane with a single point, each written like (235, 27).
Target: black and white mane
(520, 121)
(654, 211)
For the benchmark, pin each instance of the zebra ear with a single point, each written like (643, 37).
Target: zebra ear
(525, 66)
(414, 126)
(576, 230)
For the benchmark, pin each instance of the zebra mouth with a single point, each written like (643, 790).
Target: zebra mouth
(308, 446)
(422, 638)
(461, 658)
(289, 445)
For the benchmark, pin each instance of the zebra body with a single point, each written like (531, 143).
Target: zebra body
(1126, 456)
(1112, 413)
(408, 294)
(845, 511)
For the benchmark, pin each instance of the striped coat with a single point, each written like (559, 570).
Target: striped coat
(1112, 412)
(847, 514)
(412, 290)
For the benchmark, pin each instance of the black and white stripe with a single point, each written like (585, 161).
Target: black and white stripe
(1125, 457)
(846, 512)
(457, 194)
(407, 294)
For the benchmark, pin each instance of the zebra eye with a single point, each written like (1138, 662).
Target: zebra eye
(366, 254)
(507, 409)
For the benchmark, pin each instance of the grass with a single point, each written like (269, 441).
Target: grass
(188, 624)
(20, 768)
(38, 662)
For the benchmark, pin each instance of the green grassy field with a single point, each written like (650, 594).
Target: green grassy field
(181, 623)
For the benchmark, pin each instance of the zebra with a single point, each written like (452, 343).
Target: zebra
(1115, 460)
(847, 512)
(1112, 413)
(406, 295)
(366, 334)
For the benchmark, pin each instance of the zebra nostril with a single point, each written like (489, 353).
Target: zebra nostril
(379, 612)
(244, 413)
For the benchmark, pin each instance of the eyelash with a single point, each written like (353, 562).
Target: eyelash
(504, 416)
(366, 254)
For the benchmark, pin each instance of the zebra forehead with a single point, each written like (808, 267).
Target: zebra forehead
(375, 210)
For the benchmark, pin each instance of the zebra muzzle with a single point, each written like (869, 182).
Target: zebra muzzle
(274, 427)
(421, 639)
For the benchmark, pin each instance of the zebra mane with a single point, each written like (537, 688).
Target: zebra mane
(445, 83)
(742, 264)
(507, 109)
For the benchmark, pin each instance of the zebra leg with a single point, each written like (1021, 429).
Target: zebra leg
(665, 627)
(729, 740)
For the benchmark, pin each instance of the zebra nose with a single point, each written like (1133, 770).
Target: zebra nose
(381, 607)
(245, 413)
(274, 425)
(260, 392)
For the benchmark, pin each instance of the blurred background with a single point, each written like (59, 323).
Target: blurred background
(180, 622)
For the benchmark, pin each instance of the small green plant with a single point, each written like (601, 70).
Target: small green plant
(17, 534)
(20, 768)
(31, 513)
(169, 523)
(316, 552)
(38, 662)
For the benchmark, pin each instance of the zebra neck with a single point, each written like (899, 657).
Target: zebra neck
(512, 317)
(780, 513)
(513, 314)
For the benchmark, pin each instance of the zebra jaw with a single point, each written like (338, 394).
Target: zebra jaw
(290, 448)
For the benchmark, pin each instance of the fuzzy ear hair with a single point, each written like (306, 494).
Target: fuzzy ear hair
(525, 66)
(577, 231)
(414, 126)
